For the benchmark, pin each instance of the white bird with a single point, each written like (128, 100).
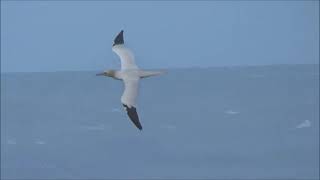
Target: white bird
(130, 74)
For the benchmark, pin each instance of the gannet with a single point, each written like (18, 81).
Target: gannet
(130, 74)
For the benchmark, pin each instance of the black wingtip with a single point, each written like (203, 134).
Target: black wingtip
(119, 39)
(133, 116)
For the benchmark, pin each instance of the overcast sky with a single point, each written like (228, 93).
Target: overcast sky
(77, 35)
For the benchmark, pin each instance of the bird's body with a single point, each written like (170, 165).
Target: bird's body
(130, 74)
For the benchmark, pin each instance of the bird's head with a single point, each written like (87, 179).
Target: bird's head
(109, 73)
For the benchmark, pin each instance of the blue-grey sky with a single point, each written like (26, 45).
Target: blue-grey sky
(77, 35)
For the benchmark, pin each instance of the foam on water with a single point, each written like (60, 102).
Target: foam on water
(231, 112)
(304, 124)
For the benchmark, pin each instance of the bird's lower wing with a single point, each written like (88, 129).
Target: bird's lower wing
(133, 115)
(128, 100)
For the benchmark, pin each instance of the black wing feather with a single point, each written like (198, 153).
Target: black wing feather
(133, 115)
(119, 39)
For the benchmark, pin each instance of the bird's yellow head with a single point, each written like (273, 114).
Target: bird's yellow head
(109, 73)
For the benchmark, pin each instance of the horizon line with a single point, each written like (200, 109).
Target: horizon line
(162, 68)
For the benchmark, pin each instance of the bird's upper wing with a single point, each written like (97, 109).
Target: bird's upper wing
(128, 100)
(125, 54)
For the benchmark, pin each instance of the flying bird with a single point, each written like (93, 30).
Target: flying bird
(130, 74)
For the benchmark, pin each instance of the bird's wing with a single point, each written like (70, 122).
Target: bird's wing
(128, 100)
(125, 54)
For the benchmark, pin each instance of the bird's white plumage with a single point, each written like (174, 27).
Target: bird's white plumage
(130, 74)
(131, 86)
(126, 57)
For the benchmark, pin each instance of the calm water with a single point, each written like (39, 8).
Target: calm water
(233, 122)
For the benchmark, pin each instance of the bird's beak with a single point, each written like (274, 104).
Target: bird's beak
(100, 74)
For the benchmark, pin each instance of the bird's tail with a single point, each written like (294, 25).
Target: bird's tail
(144, 74)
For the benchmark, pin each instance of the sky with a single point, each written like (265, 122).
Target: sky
(45, 36)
